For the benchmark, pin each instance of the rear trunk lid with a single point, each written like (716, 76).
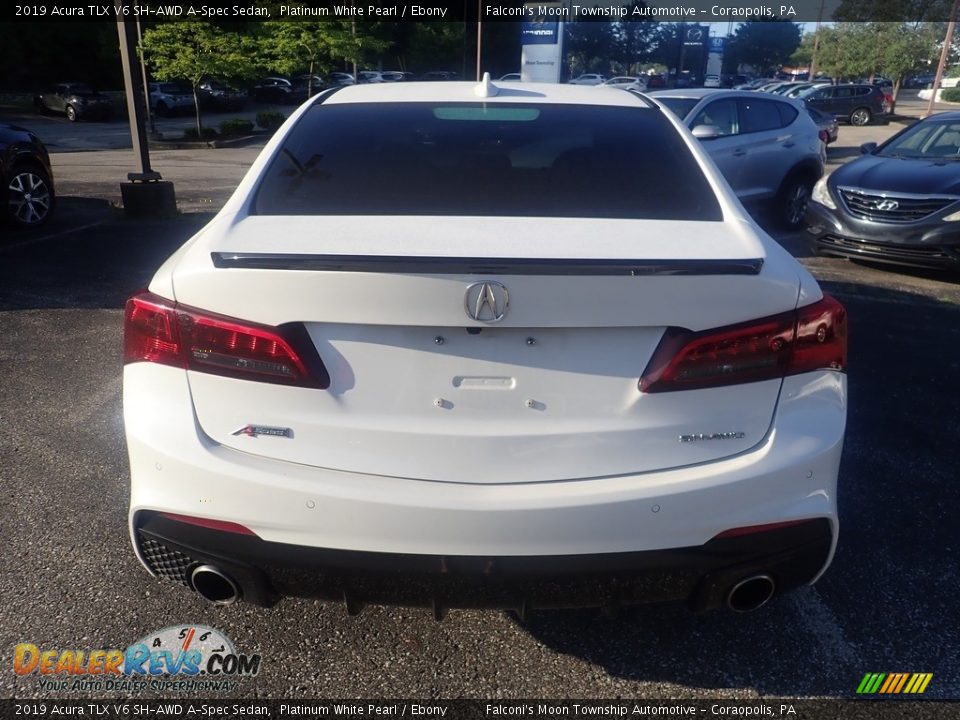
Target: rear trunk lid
(421, 390)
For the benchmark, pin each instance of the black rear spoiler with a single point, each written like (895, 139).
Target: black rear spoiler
(404, 264)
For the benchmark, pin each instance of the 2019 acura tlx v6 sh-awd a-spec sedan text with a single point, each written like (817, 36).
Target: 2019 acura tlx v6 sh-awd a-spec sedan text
(460, 345)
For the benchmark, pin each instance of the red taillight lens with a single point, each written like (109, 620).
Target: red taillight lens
(824, 136)
(157, 330)
(811, 338)
(150, 331)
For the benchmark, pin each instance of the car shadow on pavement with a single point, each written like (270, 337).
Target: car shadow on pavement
(88, 255)
(884, 603)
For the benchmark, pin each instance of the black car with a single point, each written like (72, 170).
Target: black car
(77, 101)
(856, 104)
(898, 203)
(218, 96)
(435, 75)
(397, 76)
(305, 86)
(274, 90)
(28, 195)
(341, 79)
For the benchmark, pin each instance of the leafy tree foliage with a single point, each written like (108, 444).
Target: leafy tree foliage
(764, 44)
(855, 50)
(318, 46)
(194, 50)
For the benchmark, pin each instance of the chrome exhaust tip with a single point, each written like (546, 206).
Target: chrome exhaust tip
(751, 593)
(214, 586)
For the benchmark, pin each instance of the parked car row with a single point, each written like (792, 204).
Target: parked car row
(631, 82)
(854, 103)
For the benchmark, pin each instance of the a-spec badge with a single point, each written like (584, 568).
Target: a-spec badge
(258, 430)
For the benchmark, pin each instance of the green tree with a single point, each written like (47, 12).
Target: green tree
(894, 11)
(634, 40)
(861, 50)
(802, 56)
(905, 49)
(764, 44)
(194, 50)
(589, 46)
(289, 47)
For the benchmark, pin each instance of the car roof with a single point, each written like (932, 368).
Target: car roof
(459, 91)
(950, 115)
(700, 93)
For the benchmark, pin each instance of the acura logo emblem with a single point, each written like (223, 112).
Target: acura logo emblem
(888, 205)
(486, 301)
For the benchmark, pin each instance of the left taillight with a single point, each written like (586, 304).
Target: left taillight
(810, 338)
(160, 331)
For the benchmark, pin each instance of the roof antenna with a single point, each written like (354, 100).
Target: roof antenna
(486, 88)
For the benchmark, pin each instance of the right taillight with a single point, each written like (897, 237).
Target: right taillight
(809, 338)
(157, 330)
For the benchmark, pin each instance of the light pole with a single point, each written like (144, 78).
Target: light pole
(145, 193)
(812, 70)
(479, 35)
(947, 41)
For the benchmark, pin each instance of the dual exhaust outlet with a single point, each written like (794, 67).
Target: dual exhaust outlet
(215, 586)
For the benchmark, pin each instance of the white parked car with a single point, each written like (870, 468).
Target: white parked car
(168, 97)
(711, 81)
(588, 79)
(628, 83)
(545, 358)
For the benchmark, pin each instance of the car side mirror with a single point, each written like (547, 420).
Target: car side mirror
(868, 148)
(706, 132)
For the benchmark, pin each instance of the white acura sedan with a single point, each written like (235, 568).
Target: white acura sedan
(460, 345)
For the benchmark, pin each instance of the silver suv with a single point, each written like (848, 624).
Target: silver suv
(767, 147)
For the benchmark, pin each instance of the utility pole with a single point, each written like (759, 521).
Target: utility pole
(944, 54)
(812, 72)
(145, 193)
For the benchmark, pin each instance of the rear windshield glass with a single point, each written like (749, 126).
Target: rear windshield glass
(499, 159)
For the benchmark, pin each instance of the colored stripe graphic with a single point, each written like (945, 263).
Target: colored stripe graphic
(903, 681)
(894, 683)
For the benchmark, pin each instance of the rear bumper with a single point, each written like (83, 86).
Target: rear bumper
(657, 527)
(701, 576)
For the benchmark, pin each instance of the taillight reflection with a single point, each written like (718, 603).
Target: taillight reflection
(810, 338)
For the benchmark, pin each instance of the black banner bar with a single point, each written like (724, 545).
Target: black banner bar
(637, 709)
(693, 11)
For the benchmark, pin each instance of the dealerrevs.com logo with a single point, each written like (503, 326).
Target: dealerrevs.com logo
(177, 658)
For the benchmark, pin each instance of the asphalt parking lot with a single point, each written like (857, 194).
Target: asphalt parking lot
(888, 603)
